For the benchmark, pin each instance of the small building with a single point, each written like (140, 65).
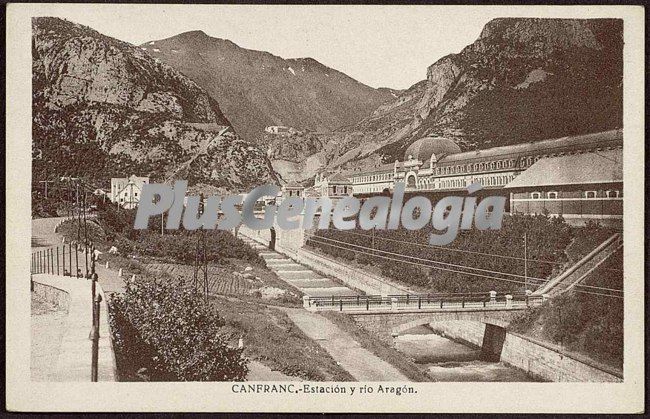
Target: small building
(292, 189)
(277, 129)
(334, 186)
(580, 187)
(127, 191)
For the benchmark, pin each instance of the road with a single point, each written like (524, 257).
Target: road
(362, 364)
(44, 235)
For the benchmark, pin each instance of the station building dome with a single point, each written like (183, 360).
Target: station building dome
(425, 147)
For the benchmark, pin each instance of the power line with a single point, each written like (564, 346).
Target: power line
(451, 270)
(599, 294)
(453, 250)
(598, 288)
(432, 261)
(424, 265)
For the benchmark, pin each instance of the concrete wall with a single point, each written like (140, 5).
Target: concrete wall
(52, 295)
(536, 358)
(354, 277)
(544, 361)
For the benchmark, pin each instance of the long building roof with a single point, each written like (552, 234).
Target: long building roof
(578, 142)
(585, 168)
(601, 139)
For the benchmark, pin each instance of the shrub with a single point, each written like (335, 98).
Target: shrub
(174, 332)
(548, 240)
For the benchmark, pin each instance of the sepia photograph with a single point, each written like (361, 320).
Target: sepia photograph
(313, 204)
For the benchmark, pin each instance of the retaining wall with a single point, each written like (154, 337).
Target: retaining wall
(52, 295)
(539, 359)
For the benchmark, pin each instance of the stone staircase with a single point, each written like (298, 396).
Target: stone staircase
(306, 280)
(583, 268)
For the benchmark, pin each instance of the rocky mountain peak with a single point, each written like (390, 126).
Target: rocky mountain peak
(522, 80)
(257, 89)
(109, 103)
(552, 33)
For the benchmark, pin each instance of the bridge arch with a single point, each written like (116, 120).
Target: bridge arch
(396, 323)
(442, 317)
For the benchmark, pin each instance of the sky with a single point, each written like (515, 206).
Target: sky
(381, 46)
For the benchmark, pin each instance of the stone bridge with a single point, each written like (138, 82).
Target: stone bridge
(388, 325)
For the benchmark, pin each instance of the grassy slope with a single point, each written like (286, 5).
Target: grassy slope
(588, 324)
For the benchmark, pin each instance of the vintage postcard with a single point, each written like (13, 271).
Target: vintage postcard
(277, 208)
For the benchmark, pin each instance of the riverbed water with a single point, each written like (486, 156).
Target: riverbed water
(447, 360)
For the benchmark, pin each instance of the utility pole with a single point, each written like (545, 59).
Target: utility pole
(201, 259)
(525, 261)
(45, 182)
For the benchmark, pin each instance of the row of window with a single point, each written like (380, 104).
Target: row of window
(374, 178)
(585, 194)
(499, 180)
(520, 163)
(524, 162)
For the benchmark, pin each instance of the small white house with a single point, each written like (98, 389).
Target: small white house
(127, 191)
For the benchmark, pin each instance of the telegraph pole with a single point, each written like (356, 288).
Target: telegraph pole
(201, 259)
(525, 261)
(46, 182)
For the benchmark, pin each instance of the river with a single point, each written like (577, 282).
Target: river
(447, 360)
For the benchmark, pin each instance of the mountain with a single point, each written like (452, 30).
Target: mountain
(522, 80)
(104, 108)
(258, 89)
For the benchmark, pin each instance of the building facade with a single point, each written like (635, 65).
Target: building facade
(580, 187)
(436, 166)
(127, 191)
(334, 186)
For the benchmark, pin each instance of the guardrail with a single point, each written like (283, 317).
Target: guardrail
(60, 260)
(448, 301)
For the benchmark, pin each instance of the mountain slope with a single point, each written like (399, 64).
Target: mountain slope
(521, 80)
(104, 108)
(257, 89)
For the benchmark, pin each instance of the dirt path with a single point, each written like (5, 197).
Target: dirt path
(362, 364)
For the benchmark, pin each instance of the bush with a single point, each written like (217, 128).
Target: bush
(175, 245)
(174, 333)
(548, 240)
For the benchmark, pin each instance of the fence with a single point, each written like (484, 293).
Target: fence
(61, 260)
(423, 301)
